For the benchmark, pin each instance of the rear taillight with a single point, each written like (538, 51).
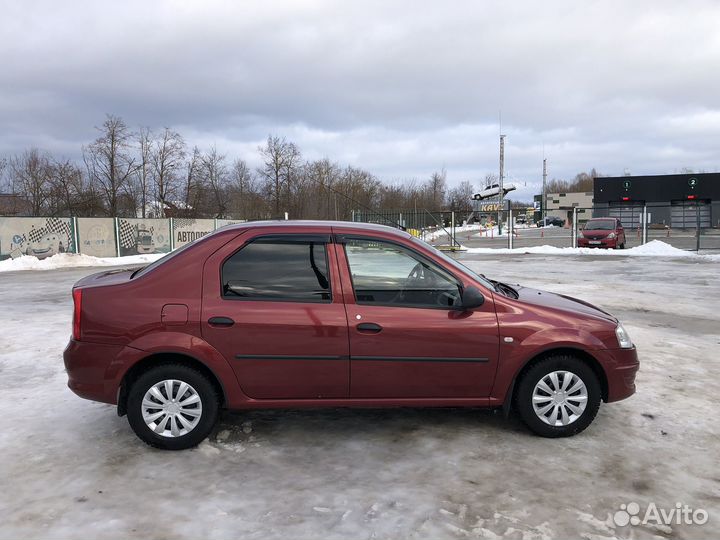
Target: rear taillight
(77, 312)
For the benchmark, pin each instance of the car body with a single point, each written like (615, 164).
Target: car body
(551, 221)
(493, 190)
(606, 232)
(326, 314)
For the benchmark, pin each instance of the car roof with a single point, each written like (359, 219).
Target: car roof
(301, 223)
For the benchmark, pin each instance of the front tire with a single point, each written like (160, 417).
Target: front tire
(558, 397)
(172, 406)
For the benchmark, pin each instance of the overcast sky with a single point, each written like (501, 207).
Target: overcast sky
(399, 88)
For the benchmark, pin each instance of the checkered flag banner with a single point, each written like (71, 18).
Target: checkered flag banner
(128, 234)
(52, 225)
(182, 223)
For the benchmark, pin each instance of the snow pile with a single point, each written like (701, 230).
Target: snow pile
(654, 248)
(70, 260)
(440, 232)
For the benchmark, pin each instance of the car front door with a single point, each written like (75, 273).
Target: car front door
(407, 337)
(272, 307)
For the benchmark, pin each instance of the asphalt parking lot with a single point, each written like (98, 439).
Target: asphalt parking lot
(72, 466)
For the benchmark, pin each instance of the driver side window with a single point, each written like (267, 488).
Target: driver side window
(387, 274)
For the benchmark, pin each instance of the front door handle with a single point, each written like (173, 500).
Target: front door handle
(220, 321)
(369, 328)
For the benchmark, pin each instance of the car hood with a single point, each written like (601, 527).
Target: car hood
(561, 302)
(597, 232)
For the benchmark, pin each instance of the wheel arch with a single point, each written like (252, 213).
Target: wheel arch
(161, 358)
(580, 354)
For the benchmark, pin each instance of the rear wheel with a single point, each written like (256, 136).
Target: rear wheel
(558, 397)
(172, 406)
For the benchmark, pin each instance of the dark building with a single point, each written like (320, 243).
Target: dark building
(676, 200)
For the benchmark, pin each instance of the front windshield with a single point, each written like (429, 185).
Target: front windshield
(600, 225)
(456, 264)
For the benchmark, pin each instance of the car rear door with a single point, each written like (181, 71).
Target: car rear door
(406, 339)
(273, 307)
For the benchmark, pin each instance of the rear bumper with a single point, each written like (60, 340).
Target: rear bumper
(86, 365)
(621, 373)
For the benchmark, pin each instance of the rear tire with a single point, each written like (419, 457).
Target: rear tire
(559, 383)
(172, 406)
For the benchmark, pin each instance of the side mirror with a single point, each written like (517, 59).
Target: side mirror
(472, 298)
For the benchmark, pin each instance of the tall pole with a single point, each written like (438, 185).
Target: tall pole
(543, 191)
(500, 183)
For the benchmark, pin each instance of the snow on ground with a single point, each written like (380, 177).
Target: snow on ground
(445, 233)
(72, 465)
(654, 248)
(69, 260)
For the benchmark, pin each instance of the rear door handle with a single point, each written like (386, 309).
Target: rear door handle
(220, 321)
(369, 328)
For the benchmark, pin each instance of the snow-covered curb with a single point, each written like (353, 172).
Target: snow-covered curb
(654, 248)
(69, 260)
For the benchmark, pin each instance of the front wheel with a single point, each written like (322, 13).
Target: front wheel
(172, 406)
(558, 397)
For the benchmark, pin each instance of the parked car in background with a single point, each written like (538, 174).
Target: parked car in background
(334, 314)
(551, 221)
(602, 233)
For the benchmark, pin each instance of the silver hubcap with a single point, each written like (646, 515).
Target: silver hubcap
(171, 408)
(559, 398)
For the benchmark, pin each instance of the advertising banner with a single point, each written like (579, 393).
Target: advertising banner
(188, 230)
(141, 236)
(38, 237)
(96, 237)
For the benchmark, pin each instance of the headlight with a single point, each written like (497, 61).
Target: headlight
(581, 235)
(611, 235)
(623, 337)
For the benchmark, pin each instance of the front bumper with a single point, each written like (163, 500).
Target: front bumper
(603, 243)
(620, 372)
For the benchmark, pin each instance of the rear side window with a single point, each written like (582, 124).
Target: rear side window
(280, 270)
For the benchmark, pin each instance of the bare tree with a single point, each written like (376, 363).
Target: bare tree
(66, 187)
(108, 161)
(460, 197)
(214, 174)
(280, 160)
(437, 187)
(167, 159)
(30, 177)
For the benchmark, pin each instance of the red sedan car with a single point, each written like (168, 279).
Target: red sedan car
(307, 314)
(603, 233)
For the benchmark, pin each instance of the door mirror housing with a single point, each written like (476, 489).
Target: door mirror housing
(472, 298)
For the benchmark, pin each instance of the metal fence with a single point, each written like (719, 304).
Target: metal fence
(689, 228)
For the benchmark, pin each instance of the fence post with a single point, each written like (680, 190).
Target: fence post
(117, 236)
(76, 235)
(172, 234)
(215, 224)
(452, 228)
(645, 225)
(697, 226)
(574, 227)
(510, 228)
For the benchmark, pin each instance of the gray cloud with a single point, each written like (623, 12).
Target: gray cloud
(400, 88)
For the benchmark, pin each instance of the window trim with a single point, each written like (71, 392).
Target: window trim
(286, 238)
(341, 240)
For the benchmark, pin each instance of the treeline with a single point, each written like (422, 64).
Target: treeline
(149, 173)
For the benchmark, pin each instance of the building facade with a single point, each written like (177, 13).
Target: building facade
(681, 201)
(561, 205)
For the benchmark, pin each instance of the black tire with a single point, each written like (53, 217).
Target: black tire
(524, 394)
(199, 382)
